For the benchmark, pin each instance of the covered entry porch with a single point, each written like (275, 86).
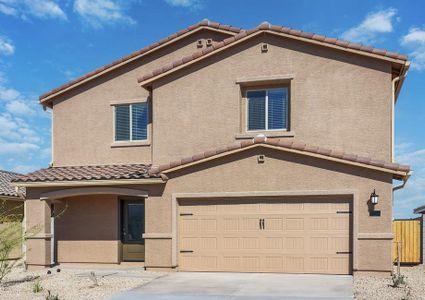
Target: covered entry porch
(94, 224)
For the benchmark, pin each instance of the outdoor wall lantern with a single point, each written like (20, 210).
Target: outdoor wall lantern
(374, 197)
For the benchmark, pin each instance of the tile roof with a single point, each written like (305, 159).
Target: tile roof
(285, 144)
(419, 210)
(204, 23)
(5, 188)
(274, 28)
(76, 173)
(143, 171)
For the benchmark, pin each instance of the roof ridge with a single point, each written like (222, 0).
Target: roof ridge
(202, 23)
(101, 165)
(266, 26)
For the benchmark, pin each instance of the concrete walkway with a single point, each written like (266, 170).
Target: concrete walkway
(238, 286)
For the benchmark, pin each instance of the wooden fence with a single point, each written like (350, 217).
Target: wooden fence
(408, 234)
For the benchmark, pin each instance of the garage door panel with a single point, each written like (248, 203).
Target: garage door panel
(294, 223)
(294, 264)
(273, 243)
(296, 237)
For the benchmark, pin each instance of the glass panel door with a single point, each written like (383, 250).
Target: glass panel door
(132, 230)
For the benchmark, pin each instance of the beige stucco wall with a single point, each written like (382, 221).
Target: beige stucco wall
(340, 101)
(87, 229)
(37, 224)
(83, 128)
(282, 172)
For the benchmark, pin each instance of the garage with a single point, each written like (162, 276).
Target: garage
(289, 235)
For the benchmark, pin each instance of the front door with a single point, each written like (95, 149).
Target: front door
(132, 230)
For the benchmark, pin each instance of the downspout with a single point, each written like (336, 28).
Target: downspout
(52, 232)
(393, 82)
(405, 179)
(51, 133)
(397, 79)
(393, 95)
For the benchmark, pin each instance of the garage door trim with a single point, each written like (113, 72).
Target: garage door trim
(242, 195)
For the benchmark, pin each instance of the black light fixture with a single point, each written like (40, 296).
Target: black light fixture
(374, 197)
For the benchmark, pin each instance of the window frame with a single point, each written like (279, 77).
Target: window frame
(131, 140)
(266, 110)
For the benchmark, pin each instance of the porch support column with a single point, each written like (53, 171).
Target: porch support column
(39, 235)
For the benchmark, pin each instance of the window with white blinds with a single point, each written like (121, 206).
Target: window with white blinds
(267, 109)
(131, 122)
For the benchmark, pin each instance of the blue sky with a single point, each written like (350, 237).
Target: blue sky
(44, 43)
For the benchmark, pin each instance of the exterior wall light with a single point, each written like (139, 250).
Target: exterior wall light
(374, 197)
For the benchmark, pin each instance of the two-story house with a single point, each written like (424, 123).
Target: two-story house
(224, 149)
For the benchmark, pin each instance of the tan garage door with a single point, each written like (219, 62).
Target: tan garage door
(298, 235)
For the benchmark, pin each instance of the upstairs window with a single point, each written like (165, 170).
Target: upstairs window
(131, 122)
(267, 109)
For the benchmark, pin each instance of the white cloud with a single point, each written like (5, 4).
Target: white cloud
(415, 42)
(8, 10)
(8, 94)
(16, 148)
(45, 9)
(184, 3)
(23, 169)
(19, 108)
(17, 130)
(24, 129)
(415, 36)
(413, 194)
(98, 13)
(42, 9)
(6, 46)
(374, 24)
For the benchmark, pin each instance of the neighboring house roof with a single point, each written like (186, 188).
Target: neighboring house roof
(204, 24)
(148, 78)
(399, 171)
(6, 189)
(74, 173)
(419, 210)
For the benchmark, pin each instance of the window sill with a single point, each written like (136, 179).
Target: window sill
(130, 144)
(271, 134)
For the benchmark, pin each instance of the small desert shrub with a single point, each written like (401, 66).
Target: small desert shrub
(11, 237)
(398, 279)
(50, 296)
(93, 278)
(36, 287)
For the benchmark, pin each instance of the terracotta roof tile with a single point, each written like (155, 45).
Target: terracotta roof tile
(104, 172)
(266, 26)
(288, 144)
(6, 189)
(203, 23)
(210, 153)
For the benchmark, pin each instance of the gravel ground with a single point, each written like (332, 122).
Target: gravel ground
(72, 283)
(75, 284)
(381, 288)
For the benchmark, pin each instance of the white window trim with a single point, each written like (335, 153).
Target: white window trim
(115, 142)
(266, 111)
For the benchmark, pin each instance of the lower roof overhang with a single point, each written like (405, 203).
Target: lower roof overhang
(74, 183)
(398, 172)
